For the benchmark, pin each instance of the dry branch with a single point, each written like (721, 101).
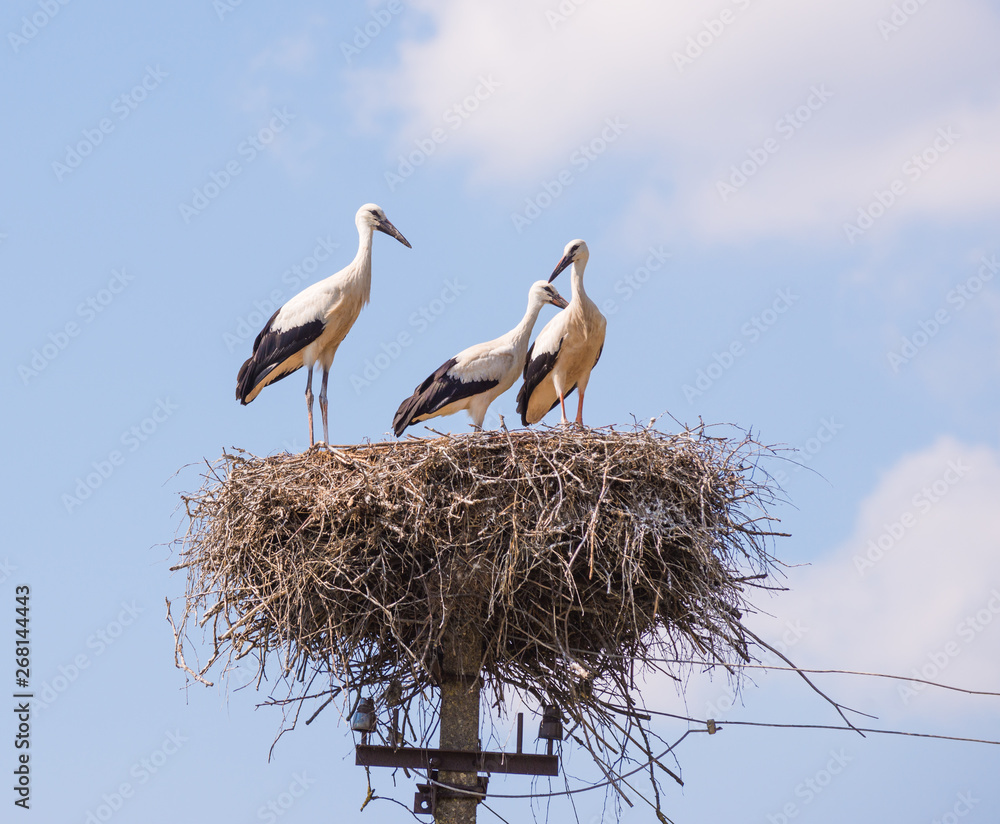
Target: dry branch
(583, 558)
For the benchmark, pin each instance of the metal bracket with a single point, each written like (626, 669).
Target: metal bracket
(432, 761)
(427, 796)
(423, 799)
(370, 755)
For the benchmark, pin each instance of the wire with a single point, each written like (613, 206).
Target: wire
(719, 726)
(578, 789)
(490, 809)
(780, 668)
(863, 729)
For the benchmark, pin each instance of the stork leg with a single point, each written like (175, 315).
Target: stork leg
(323, 404)
(477, 420)
(562, 407)
(579, 407)
(309, 401)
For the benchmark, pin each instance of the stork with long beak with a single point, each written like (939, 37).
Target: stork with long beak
(476, 376)
(566, 350)
(308, 329)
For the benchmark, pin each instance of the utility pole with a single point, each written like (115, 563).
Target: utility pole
(460, 685)
(454, 787)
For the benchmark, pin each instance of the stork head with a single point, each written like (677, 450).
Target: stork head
(543, 292)
(372, 216)
(576, 251)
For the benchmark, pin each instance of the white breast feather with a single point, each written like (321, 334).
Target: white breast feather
(550, 336)
(480, 362)
(310, 304)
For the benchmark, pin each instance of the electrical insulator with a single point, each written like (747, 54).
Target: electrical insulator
(363, 719)
(551, 727)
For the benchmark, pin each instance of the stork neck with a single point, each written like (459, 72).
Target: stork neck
(360, 270)
(363, 259)
(576, 281)
(522, 332)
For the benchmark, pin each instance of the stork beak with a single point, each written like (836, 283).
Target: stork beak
(559, 301)
(392, 231)
(566, 261)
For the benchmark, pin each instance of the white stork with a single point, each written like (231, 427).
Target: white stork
(309, 328)
(566, 349)
(476, 376)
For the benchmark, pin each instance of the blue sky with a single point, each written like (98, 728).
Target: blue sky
(792, 217)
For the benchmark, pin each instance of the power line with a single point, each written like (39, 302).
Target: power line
(578, 789)
(718, 726)
(908, 678)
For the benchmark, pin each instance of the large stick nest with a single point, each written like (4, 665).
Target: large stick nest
(580, 557)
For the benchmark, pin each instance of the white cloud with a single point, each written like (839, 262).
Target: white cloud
(560, 79)
(916, 587)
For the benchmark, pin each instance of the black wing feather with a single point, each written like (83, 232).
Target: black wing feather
(270, 349)
(527, 360)
(437, 391)
(535, 371)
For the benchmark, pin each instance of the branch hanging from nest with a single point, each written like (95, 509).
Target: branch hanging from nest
(584, 559)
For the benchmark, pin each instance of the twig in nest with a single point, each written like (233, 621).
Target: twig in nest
(584, 559)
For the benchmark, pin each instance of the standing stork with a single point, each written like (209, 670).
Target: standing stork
(566, 349)
(477, 376)
(309, 328)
